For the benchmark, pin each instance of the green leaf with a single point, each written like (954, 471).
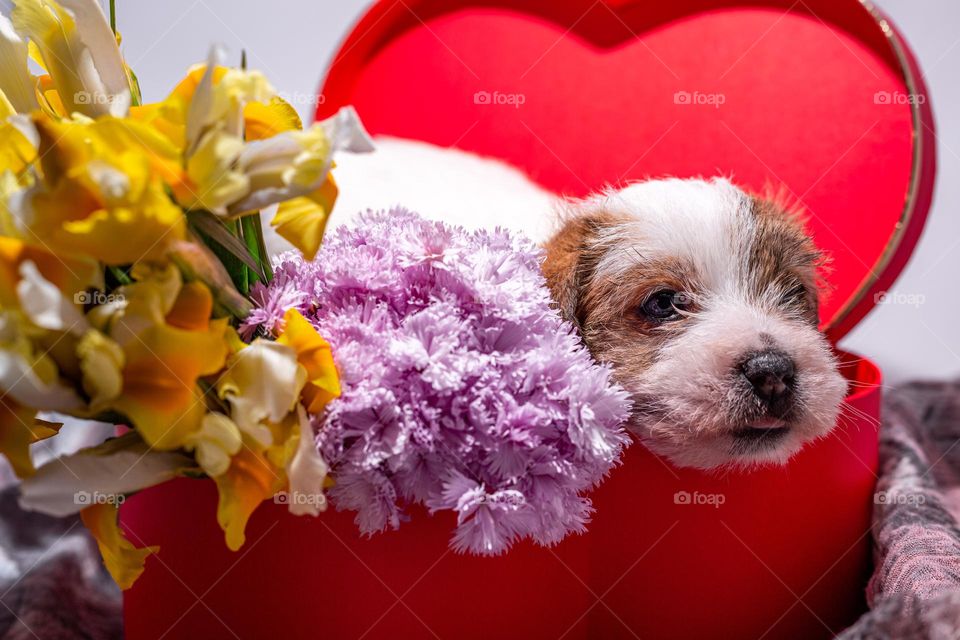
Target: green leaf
(251, 229)
(136, 97)
(225, 236)
(223, 240)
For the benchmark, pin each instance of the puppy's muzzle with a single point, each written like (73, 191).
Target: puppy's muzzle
(771, 374)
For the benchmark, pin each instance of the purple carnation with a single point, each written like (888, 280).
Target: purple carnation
(463, 389)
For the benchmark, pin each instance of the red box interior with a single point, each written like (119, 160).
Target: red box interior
(816, 101)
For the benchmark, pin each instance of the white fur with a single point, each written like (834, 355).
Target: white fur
(707, 224)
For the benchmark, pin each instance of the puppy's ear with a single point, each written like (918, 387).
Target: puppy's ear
(570, 260)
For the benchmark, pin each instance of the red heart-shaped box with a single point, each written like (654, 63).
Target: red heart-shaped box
(820, 97)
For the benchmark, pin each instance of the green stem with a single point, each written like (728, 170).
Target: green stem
(251, 227)
(113, 16)
(265, 257)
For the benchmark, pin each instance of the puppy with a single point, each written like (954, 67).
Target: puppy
(703, 299)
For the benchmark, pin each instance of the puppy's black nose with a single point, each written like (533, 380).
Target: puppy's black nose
(771, 373)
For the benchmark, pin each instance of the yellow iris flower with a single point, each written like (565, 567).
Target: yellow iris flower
(163, 358)
(90, 183)
(75, 45)
(94, 193)
(265, 384)
(246, 150)
(16, 151)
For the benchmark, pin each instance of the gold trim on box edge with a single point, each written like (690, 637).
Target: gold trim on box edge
(915, 172)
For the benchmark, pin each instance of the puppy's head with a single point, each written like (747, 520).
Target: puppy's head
(704, 301)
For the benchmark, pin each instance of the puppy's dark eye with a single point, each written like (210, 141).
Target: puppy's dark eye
(665, 304)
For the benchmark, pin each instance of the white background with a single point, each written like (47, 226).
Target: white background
(293, 40)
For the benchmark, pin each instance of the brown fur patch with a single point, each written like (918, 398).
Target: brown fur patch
(570, 261)
(784, 257)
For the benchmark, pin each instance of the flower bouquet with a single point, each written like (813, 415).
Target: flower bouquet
(401, 362)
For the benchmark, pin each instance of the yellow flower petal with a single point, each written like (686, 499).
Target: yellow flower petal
(93, 193)
(262, 121)
(146, 231)
(188, 86)
(160, 393)
(192, 309)
(43, 429)
(47, 96)
(16, 435)
(135, 307)
(218, 106)
(123, 560)
(169, 117)
(234, 342)
(16, 83)
(16, 151)
(250, 480)
(30, 377)
(302, 221)
(292, 164)
(121, 135)
(314, 355)
(6, 109)
(69, 274)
